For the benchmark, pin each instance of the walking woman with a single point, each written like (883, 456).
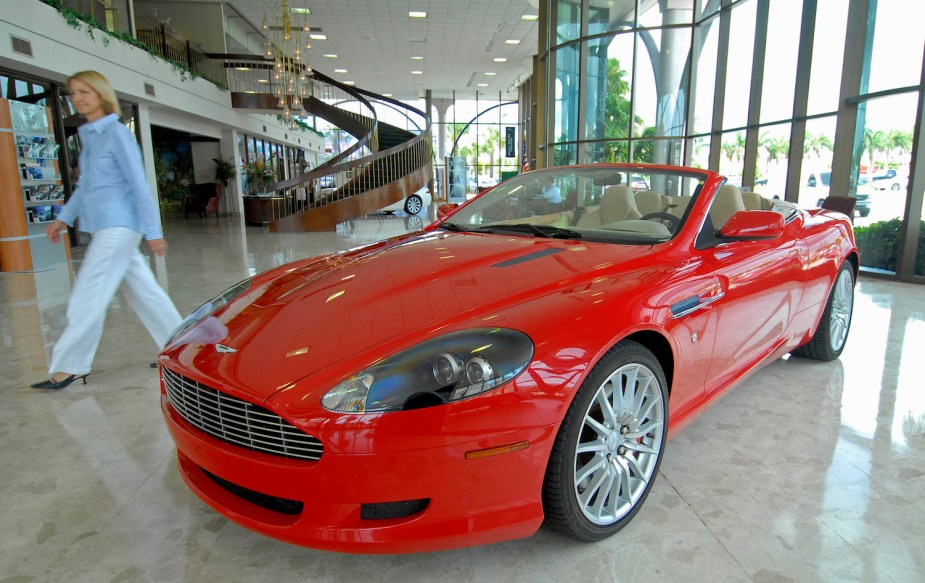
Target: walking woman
(114, 203)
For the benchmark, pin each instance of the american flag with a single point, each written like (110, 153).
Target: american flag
(524, 161)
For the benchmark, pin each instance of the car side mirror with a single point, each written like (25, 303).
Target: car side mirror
(446, 208)
(753, 226)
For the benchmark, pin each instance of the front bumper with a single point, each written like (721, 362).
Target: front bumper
(444, 500)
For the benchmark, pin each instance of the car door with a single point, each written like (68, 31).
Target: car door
(761, 285)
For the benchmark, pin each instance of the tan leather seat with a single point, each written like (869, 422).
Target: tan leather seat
(618, 204)
(649, 201)
(755, 202)
(728, 201)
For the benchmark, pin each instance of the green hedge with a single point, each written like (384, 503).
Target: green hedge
(879, 245)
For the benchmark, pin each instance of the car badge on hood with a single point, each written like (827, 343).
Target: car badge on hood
(224, 349)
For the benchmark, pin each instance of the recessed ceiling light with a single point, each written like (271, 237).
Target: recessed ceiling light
(331, 56)
(512, 41)
(530, 17)
(318, 36)
(417, 58)
(300, 10)
(496, 59)
(483, 84)
(340, 70)
(490, 74)
(417, 72)
(416, 14)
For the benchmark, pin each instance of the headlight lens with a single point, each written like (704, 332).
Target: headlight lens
(209, 308)
(448, 368)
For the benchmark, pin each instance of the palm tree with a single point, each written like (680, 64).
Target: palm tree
(775, 148)
(816, 144)
(874, 142)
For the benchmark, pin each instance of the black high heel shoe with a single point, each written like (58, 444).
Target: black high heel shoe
(50, 384)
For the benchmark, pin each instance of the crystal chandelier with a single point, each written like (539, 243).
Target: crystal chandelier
(287, 42)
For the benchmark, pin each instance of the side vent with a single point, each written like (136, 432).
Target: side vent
(149, 90)
(21, 46)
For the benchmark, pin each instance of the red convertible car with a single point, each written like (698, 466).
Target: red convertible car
(520, 361)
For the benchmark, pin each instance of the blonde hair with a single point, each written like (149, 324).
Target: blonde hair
(101, 86)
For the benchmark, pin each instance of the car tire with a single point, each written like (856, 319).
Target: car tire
(414, 204)
(597, 446)
(832, 333)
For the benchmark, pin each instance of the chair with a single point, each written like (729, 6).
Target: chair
(842, 204)
(755, 202)
(728, 202)
(618, 204)
(212, 202)
(649, 201)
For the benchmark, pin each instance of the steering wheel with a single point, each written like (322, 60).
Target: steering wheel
(667, 219)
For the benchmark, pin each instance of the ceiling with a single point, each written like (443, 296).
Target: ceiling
(375, 40)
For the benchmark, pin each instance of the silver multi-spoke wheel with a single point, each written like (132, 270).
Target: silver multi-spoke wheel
(609, 446)
(829, 339)
(619, 444)
(842, 307)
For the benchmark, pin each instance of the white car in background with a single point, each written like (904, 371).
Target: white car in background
(413, 204)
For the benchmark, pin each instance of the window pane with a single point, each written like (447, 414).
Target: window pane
(828, 52)
(780, 60)
(700, 154)
(706, 45)
(660, 100)
(731, 163)
(677, 12)
(659, 151)
(887, 153)
(617, 151)
(566, 96)
(816, 167)
(739, 64)
(707, 8)
(896, 58)
(607, 15)
(564, 154)
(568, 23)
(771, 164)
(610, 72)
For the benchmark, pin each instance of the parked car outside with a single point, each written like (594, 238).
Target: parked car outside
(890, 180)
(540, 359)
(817, 184)
(413, 204)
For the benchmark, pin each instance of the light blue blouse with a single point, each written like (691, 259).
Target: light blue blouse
(112, 190)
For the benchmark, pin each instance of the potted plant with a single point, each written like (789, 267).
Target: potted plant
(259, 175)
(223, 170)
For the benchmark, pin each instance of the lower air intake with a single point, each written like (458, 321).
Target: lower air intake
(386, 510)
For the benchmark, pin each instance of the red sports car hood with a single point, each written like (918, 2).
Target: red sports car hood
(321, 311)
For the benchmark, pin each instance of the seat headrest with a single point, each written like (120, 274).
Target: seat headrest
(728, 201)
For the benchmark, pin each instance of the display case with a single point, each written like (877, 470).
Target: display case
(31, 190)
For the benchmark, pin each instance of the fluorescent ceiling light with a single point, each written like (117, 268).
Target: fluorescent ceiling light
(416, 14)
(331, 56)
(483, 84)
(499, 60)
(264, 81)
(318, 36)
(417, 58)
(300, 10)
(387, 95)
(349, 82)
(242, 68)
(340, 70)
(512, 41)
(530, 17)
(490, 74)
(417, 72)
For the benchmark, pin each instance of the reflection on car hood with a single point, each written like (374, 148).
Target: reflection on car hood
(318, 312)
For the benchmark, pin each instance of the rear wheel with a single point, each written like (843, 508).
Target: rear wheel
(609, 447)
(414, 204)
(830, 337)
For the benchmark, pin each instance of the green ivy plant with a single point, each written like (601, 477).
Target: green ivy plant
(77, 20)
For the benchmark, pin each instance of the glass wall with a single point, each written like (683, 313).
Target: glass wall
(672, 82)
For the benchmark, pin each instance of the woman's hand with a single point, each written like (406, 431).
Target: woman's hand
(158, 246)
(53, 231)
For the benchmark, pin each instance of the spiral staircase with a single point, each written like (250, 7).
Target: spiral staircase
(382, 166)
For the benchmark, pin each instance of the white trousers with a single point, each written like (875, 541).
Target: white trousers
(112, 261)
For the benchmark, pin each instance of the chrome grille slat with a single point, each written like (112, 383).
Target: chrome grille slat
(236, 421)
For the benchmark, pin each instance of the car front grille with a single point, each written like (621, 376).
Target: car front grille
(237, 422)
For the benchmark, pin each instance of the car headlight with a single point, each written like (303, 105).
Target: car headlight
(448, 368)
(209, 308)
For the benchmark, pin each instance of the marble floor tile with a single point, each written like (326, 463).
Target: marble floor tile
(807, 471)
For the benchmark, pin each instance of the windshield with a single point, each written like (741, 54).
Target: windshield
(610, 203)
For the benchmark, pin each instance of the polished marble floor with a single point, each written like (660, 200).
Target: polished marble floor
(806, 472)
